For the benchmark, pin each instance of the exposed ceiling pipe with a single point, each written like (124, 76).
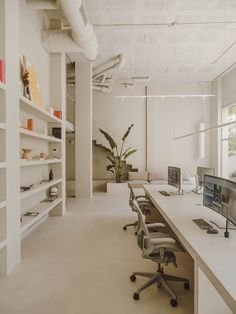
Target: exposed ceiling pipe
(43, 4)
(102, 89)
(114, 63)
(81, 38)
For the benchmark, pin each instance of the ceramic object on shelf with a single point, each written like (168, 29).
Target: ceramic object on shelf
(30, 124)
(42, 156)
(53, 193)
(51, 110)
(27, 153)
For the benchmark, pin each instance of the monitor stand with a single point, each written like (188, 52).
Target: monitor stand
(180, 192)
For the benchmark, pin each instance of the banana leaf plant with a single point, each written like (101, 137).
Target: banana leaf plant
(117, 157)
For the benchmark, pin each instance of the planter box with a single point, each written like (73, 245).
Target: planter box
(117, 187)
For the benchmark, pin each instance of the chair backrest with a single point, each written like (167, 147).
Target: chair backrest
(141, 219)
(132, 196)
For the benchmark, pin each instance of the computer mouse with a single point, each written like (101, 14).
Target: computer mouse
(212, 231)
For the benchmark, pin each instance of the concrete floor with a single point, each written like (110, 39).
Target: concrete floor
(81, 263)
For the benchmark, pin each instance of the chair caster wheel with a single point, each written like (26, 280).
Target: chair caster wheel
(125, 228)
(173, 302)
(186, 285)
(136, 296)
(136, 233)
(158, 285)
(133, 278)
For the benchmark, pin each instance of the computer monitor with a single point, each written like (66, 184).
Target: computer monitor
(175, 178)
(201, 171)
(220, 195)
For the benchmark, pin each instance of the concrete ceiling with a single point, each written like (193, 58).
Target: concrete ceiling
(168, 40)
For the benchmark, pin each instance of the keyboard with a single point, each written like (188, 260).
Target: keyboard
(202, 224)
(164, 193)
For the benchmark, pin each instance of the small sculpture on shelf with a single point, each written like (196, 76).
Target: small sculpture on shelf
(26, 153)
(53, 193)
(24, 74)
(42, 156)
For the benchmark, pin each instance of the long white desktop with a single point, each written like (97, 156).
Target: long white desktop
(214, 255)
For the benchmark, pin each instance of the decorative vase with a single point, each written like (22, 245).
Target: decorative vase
(27, 153)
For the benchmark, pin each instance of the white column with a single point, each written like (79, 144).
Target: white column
(12, 134)
(58, 101)
(83, 129)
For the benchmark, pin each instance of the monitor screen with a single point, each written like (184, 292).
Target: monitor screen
(220, 195)
(174, 177)
(201, 171)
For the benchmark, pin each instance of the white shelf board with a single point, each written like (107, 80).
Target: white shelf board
(28, 106)
(2, 125)
(43, 209)
(41, 187)
(3, 243)
(25, 132)
(70, 126)
(2, 86)
(3, 164)
(3, 204)
(24, 163)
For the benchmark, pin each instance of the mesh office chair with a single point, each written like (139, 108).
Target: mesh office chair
(144, 204)
(158, 247)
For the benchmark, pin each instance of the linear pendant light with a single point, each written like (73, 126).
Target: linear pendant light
(206, 130)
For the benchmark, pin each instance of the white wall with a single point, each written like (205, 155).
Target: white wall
(165, 119)
(114, 116)
(170, 118)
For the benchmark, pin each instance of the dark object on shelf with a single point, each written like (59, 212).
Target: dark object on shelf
(25, 188)
(56, 132)
(50, 175)
(31, 214)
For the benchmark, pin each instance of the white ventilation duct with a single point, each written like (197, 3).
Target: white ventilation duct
(81, 38)
(103, 89)
(114, 63)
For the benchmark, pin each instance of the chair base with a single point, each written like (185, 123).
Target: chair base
(133, 224)
(161, 280)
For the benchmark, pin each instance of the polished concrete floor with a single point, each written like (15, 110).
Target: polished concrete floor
(81, 263)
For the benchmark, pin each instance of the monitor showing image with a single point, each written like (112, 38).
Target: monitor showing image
(220, 195)
(175, 178)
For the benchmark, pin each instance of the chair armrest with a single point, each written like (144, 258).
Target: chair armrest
(155, 225)
(158, 241)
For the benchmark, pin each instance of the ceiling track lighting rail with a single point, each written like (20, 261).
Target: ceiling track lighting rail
(203, 96)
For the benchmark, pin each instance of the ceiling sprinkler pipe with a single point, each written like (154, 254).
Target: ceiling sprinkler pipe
(114, 63)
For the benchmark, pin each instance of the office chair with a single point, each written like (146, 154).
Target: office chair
(158, 247)
(144, 204)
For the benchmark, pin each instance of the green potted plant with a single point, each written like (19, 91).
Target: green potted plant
(117, 157)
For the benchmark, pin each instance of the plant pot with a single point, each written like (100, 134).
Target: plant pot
(27, 153)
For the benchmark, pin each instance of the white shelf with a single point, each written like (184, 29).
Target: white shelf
(2, 125)
(2, 86)
(51, 139)
(28, 106)
(41, 187)
(70, 126)
(3, 243)
(24, 163)
(43, 209)
(3, 204)
(3, 164)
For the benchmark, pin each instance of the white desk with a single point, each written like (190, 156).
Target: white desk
(214, 255)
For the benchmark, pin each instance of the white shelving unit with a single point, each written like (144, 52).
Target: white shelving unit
(36, 135)
(2, 86)
(25, 163)
(70, 126)
(41, 187)
(3, 204)
(14, 171)
(43, 209)
(29, 107)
